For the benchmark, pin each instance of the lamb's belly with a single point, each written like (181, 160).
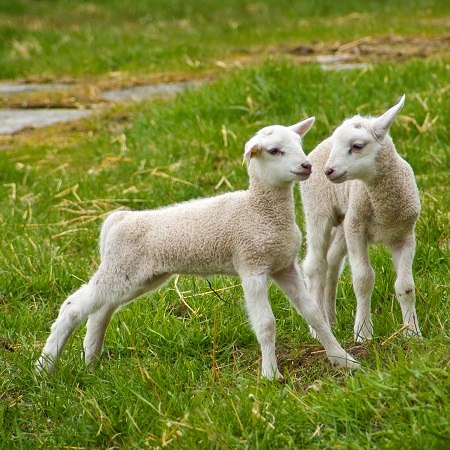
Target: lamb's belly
(210, 270)
(205, 268)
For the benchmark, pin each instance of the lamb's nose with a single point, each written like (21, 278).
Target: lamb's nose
(329, 171)
(307, 167)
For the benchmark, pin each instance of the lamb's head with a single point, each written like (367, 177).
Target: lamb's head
(275, 154)
(357, 144)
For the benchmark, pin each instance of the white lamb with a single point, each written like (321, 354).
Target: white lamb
(380, 205)
(250, 233)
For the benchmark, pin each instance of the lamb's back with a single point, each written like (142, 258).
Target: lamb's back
(211, 235)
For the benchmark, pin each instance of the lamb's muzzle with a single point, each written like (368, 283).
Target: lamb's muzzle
(304, 171)
(334, 176)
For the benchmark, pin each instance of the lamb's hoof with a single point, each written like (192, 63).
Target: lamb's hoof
(278, 376)
(45, 364)
(412, 333)
(344, 362)
(363, 336)
(90, 360)
(91, 365)
(312, 332)
(272, 375)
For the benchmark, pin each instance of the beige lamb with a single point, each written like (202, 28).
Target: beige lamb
(250, 233)
(360, 192)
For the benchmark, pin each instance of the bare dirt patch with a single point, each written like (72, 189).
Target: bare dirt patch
(351, 54)
(307, 362)
(375, 49)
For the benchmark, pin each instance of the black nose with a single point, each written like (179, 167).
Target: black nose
(328, 172)
(307, 166)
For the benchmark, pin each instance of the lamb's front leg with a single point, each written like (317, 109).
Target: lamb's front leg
(403, 255)
(262, 320)
(291, 282)
(363, 277)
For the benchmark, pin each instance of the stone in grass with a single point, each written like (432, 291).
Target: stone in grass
(147, 92)
(14, 120)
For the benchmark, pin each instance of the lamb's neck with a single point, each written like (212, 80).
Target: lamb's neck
(386, 173)
(390, 193)
(278, 197)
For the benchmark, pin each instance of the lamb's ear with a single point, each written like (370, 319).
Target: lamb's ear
(251, 149)
(384, 122)
(303, 127)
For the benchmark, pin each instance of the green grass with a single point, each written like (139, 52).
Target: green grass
(48, 39)
(154, 385)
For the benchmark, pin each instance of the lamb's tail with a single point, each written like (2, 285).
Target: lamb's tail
(114, 218)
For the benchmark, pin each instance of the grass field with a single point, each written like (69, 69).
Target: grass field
(173, 376)
(43, 39)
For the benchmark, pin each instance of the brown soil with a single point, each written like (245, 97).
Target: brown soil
(299, 361)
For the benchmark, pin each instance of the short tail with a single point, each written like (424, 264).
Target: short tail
(113, 219)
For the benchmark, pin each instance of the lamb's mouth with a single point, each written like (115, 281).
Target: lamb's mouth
(302, 175)
(338, 179)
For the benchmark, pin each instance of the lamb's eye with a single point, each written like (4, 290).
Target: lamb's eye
(275, 151)
(356, 147)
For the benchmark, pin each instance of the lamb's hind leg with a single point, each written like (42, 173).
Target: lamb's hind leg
(291, 282)
(72, 313)
(98, 321)
(363, 277)
(315, 263)
(335, 259)
(403, 255)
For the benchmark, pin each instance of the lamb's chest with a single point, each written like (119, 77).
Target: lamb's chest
(283, 246)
